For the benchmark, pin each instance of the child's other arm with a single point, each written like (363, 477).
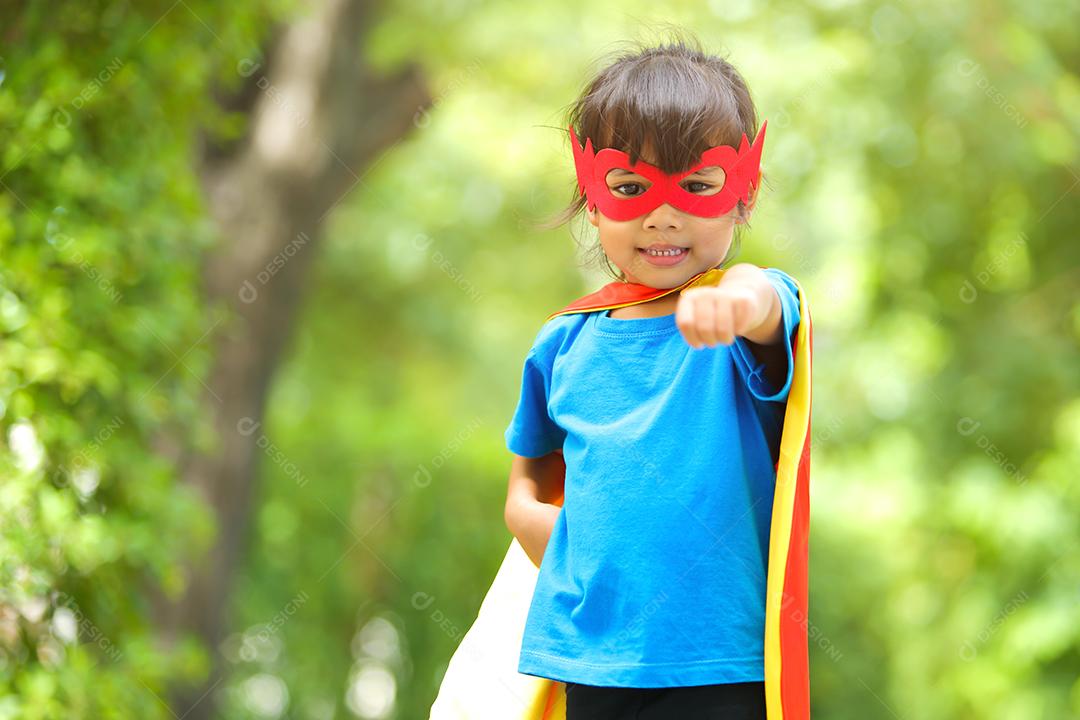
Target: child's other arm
(534, 483)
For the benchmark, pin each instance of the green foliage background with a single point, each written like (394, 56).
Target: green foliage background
(923, 187)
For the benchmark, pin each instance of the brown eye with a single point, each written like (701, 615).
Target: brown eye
(715, 177)
(628, 189)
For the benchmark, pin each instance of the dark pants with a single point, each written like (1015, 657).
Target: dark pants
(727, 701)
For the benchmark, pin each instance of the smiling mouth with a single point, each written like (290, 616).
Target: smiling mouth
(664, 257)
(661, 252)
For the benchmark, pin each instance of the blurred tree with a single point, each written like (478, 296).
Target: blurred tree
(105, 308)
(319, 116)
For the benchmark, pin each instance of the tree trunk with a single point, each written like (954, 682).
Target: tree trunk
(320, 119)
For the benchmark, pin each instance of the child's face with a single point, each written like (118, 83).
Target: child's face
(706, 240)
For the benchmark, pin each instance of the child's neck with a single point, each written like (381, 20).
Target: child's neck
(653, 308)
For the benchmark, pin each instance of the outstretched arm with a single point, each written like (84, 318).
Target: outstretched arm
(744, 303)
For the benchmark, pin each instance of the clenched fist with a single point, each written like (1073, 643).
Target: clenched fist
(744, 304)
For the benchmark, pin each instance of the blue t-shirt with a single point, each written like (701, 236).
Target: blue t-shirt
(654, 575)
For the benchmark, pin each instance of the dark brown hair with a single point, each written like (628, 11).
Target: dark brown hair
(674, 98)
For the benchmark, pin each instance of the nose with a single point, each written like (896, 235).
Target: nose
(663, 218)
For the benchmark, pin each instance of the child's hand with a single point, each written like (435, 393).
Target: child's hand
(744, 303)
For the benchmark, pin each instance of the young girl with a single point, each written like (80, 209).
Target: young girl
(663, 395)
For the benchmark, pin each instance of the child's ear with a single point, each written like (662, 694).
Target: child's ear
(592, 216)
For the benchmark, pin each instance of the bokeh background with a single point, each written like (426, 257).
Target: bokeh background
(269, 271)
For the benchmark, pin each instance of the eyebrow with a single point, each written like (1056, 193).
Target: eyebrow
(703, 171)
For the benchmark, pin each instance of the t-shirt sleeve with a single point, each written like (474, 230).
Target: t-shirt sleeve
(750, 368)
(532, 432)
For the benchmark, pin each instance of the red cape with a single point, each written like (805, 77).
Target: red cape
(620, 294)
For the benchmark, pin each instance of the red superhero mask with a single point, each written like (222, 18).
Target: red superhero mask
(741, 167)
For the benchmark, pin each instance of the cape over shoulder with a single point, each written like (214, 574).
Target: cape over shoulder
(618, 294)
